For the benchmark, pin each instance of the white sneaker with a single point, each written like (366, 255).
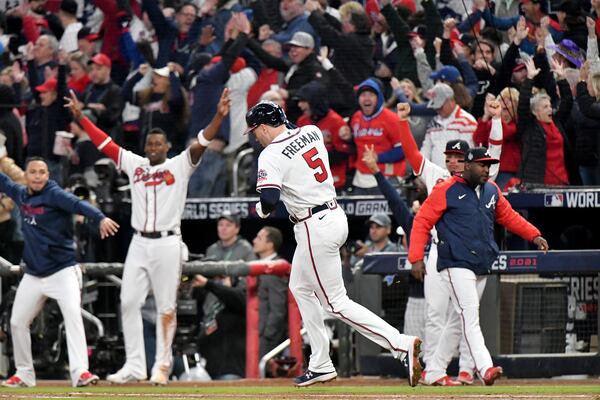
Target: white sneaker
(123, 376)
(159, 378)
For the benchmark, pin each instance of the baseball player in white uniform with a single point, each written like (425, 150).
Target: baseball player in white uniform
(437, 297)
(159, 189)
(294, 166)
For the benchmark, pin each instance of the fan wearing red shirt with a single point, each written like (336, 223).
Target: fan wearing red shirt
(375, 125)
(312, 100)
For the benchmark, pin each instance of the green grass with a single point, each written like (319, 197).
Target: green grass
(111, 392)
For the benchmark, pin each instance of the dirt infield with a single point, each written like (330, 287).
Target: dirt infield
(353, 388)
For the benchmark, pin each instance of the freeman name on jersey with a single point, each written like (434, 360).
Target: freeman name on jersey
(298, 143)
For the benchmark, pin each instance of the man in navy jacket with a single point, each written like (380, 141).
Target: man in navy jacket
(463, 210)
(51, 269)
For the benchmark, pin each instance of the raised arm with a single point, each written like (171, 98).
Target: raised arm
(402, 213)
(207, 134)
(411, 151)
(101, 140)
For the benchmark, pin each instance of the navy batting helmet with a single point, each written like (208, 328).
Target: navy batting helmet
(268, 113)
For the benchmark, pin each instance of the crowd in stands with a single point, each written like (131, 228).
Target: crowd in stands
(342, 65)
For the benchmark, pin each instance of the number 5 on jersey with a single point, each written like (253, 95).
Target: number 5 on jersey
(313, 161)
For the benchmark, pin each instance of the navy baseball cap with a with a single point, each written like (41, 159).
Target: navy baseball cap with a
(268, 113)
(481, 155)
(456, 146)
(448, 73)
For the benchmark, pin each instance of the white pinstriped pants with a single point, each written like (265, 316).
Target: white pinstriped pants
(316, 283)
(64, 286)
(465, 290)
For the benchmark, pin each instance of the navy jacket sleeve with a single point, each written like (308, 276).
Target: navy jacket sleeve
(70, 203)
(402, 213)
(10, 188)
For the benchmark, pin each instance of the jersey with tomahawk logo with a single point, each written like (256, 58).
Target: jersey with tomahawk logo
(288, 160)
(157, 191)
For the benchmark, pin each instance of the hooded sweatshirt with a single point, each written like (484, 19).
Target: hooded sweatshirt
(47, 225)
(382, 130)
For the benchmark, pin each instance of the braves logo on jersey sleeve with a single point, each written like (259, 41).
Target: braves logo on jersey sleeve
(153, 178)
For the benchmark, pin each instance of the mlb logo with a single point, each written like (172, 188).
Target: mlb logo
(554, 200)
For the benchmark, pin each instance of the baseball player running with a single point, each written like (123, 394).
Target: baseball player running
(158, 191)
(294, 166)
(51, 269)
(463, 209)
(437, 296)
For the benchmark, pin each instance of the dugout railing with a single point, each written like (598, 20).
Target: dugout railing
(250, 270)
(532, 315)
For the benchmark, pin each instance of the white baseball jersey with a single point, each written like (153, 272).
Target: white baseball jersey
(432, 173)
(158, 192)
(296, 162)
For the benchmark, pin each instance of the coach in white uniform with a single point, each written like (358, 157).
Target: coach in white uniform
(295, 166)
(159, 189)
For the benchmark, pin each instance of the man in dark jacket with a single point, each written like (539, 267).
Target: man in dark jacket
(10, 126)
(175, 36)
(209, 180)
(103, 97)
(272, 292)
(51, 269)
(304, 63)
(353, 46)
(223, 335)
(46, 118)
(463, 210)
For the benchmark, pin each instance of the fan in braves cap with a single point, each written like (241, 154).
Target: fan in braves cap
(294, 166)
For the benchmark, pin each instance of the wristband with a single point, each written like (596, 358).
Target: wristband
(202, 140)
(259, 211)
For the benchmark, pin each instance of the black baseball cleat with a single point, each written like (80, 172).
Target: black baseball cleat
(310, 378)
(411, 362)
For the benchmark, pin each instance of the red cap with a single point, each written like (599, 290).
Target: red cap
(372, 10)
(238, 65)
(47, 86)
(519, 67)
(408, 4)
(41, 22)
(101, 59)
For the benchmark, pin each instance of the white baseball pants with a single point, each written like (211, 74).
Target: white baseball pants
(415, 317)
(439, 311)
(465, 290)
(316, 282)
(63, 286)
(150, 264)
